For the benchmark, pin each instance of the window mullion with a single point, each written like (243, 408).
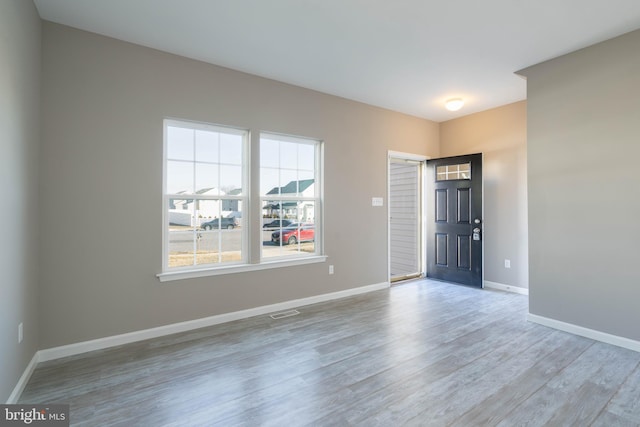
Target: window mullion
(194, 219)
(201, 159)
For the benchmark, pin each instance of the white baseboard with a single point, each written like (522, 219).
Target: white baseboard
(115, 340)
(586, 332)
(24, 379)
(507, 288)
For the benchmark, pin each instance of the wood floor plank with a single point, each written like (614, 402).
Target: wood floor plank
(608, 419)
(625, 404)
(405, 390)
(421, 353)
(448, 398)
(556, 402)
(498, 405)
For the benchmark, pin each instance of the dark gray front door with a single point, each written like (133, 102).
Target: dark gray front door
(454, 219)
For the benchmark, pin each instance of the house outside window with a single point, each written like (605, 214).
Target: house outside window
(290, 196)
(206, 201)
(203, 196)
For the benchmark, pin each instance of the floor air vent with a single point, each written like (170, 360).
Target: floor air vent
(285, 314)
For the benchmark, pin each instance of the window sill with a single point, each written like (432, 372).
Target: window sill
(242, 268)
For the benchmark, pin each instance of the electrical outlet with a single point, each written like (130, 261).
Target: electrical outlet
(507, 263)
(331, 269)
(20, 336)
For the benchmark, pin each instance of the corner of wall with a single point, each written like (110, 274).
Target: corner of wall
(21, 53)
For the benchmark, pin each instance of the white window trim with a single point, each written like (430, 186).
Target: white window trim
(230, 269)
(188, 124)
(318, 199)
(245, 265)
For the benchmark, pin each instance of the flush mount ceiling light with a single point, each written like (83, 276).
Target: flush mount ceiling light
(454, 104)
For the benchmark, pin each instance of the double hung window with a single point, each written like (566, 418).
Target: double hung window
(207, 202)
(290, 195)
(204, 195)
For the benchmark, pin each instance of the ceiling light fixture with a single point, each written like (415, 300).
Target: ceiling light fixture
(454, 104)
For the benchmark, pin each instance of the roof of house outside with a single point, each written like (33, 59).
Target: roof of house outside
(293, 187)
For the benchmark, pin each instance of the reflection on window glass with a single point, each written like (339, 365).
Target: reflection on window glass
(451, 172)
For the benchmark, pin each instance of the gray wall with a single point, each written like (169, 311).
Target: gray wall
(19, 140)
(583, 150)
(501, 135)
(101, 175)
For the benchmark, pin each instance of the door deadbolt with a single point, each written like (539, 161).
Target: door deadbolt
(476, 233)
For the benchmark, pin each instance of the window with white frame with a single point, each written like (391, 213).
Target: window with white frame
(204, 196)
(290, 196)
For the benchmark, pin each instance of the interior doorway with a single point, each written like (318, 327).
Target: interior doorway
(406, 216)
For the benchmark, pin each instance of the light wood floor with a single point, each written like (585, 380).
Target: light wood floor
(422, 353)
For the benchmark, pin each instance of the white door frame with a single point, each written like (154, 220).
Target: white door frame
(418, 158)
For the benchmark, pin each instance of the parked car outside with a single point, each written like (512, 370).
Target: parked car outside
(277, 223)
(294, 233)
(228, 223)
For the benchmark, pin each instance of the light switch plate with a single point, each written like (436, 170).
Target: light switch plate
(377, 201)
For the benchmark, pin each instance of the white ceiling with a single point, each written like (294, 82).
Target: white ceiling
(404, 55)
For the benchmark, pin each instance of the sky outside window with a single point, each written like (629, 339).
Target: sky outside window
(201, 160)
(283, 162)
